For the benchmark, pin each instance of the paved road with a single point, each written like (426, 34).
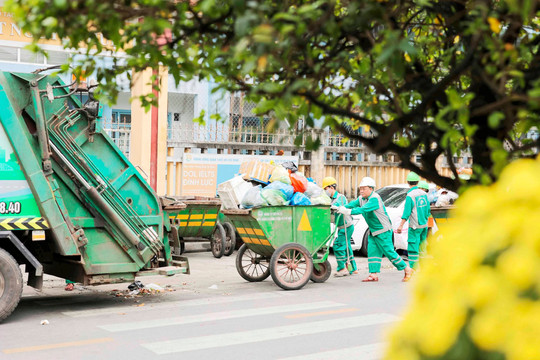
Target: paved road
(212, 313)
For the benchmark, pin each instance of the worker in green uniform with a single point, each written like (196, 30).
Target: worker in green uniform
(423, 185)
(417, 212)
(342, 244)
(371, 206)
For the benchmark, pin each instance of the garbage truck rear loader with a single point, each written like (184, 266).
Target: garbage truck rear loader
(71, 204)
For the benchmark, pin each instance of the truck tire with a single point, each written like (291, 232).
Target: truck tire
(11, 284)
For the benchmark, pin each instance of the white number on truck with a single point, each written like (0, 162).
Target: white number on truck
(10, 207)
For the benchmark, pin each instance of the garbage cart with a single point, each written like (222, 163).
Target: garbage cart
(442, 214)
(287, 242)
(197, 221)
(230, 234)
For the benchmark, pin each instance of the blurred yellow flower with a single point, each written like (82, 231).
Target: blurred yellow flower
(494, 24)
(261, 63)
(482, 284)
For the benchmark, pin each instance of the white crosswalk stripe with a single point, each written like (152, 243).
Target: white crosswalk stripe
(364, 352)
(223, 315)
(175, 304)
(266, 334)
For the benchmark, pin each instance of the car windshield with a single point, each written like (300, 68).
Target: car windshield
(392, 196)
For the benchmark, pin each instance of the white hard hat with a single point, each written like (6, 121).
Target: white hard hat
(367, 181)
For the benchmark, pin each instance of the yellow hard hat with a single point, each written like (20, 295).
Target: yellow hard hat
(327, 181)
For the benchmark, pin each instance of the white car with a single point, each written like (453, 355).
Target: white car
(393, 197)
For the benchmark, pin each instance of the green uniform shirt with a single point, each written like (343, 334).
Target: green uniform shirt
(340, 200)
(416, 208)
(373, 210)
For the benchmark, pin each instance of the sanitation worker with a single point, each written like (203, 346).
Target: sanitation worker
(423, 185)
(417, 212)
(371, 206)
(342, 244)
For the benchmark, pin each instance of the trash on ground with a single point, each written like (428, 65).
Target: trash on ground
(44, 322)
(137, 289)
(136, 285)
(153, 287)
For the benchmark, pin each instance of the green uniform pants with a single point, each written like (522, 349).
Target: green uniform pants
(415, 238)
(380, 245)
(423, 243)
(342, 246)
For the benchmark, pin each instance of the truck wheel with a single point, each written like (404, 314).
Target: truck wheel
(182, 246)
(321, 275)
(363, 248)
(218, 241)
(291, 266)
(251, 266)
(230, 238)
(11, 284)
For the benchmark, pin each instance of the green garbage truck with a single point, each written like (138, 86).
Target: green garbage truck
(71, 204)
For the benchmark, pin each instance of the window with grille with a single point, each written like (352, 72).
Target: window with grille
(119, 129)
(245, 126)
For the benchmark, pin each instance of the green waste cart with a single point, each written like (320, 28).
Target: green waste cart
(195, 219)
(443, 214)
(287, 242)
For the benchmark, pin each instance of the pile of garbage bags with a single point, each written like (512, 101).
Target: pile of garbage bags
(287, 186)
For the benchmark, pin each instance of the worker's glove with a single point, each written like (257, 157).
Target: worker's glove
(343, 210)
(334, 208)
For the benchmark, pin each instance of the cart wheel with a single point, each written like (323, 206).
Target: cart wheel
(291, 266)
(252, 266)
(230, 238)
(218, 241)
(11, 284)
(321, 275)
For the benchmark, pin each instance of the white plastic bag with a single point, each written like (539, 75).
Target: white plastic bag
(280, 174)
(313, 190)
(253, 198)
(274, 197)
(321, 199)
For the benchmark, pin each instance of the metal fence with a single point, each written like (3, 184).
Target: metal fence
(229, 118)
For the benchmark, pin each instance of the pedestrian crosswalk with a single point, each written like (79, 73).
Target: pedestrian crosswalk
(226, 325)
(364, 352)
(265, 334)
(222, 315)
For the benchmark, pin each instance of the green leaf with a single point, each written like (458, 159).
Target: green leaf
(494, 119)
(61, 4)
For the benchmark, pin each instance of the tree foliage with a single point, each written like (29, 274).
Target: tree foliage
(429, 78)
